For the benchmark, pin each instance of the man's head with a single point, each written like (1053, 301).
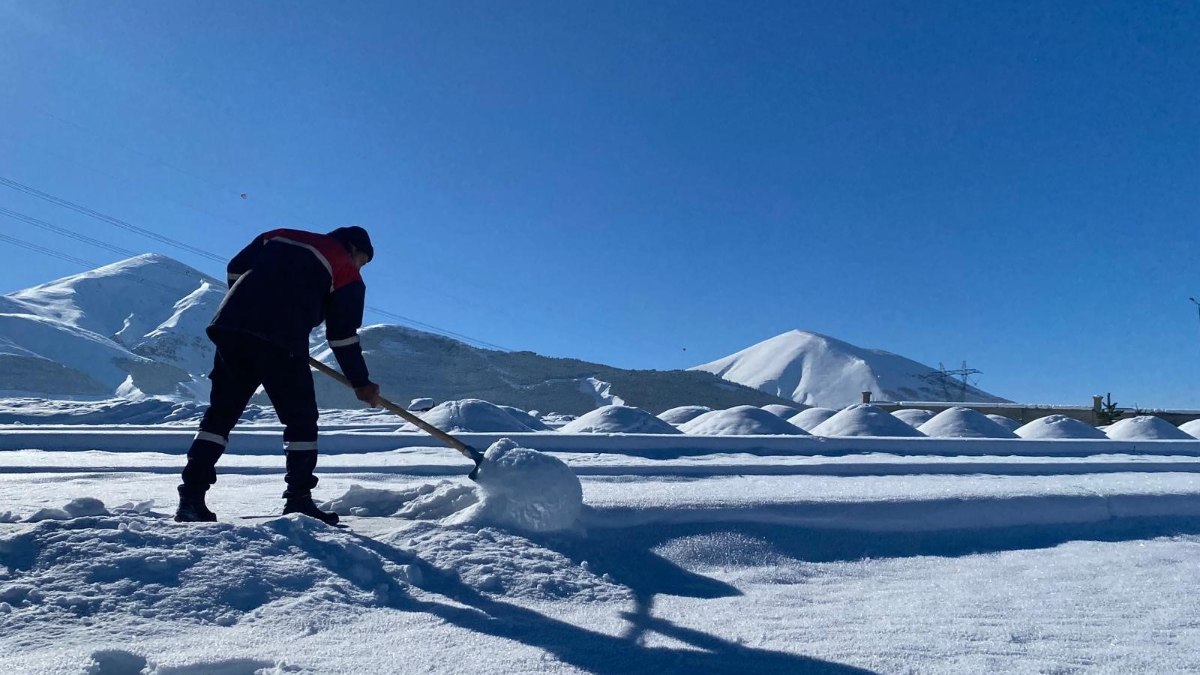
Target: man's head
(357, 242)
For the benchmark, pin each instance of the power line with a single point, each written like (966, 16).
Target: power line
(46, 251)
(98, 134)
(155, 159)
(65, 203)
(173, 242)
(91, 265)
(64, 232)
(442, 331)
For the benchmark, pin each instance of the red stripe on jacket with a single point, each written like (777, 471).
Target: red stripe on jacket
(328, 250)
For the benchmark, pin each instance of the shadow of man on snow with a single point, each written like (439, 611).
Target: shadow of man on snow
(629, 561)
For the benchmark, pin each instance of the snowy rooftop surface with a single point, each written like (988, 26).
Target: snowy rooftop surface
(689, 554)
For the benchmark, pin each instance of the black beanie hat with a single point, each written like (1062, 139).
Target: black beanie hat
(357, 237)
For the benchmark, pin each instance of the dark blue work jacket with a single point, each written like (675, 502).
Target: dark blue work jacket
(285, 283)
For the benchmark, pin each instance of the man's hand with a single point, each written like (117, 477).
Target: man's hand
(369, 394)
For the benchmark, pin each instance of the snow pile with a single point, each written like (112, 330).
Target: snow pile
(1146, 428)
(421, 404)
(525, 418)
(683, 414)
(517, 488)
(1191, 428)
(470, 415)
(784, 411)
(76, 508)
(618, 419)
(525, 489)
(960, 422)
(430, 501)
(215, 573)
(862, 419)
(811, 418)
(913, 417)
(1006, 422)
(1058, 426)
(742, 420)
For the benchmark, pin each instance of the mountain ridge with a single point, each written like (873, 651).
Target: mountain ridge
(136, 327)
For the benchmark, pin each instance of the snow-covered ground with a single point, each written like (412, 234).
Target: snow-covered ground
(692, 554)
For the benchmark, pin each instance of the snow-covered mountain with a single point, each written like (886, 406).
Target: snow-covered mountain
(133, 327)
(822, 371)
(410, 363)
(136, 327)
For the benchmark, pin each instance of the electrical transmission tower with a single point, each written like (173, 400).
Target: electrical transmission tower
(953, 383)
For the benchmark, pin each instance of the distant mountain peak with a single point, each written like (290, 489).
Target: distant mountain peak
(819, 370)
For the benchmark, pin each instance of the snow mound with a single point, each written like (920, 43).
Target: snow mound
(1006, 422)
(1059, 426)
(785, 411)
(742, 420)
(683, 414)
(618, 419)
(913, 417)
(1191, 428)
(811, 418)
(862, 419)
(525, 418)
(76, 508)
(960, 422)
(516, 488)
(1146, 428)
(524, 489)
(59, 572)
(470, 415)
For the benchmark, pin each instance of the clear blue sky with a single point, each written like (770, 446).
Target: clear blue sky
(658, 184)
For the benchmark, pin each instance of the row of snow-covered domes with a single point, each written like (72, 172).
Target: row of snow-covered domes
(473, 415)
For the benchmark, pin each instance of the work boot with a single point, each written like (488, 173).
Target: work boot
(304, 504)
(192, 508)
(300, 482)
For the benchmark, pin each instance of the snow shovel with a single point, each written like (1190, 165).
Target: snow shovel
(467, 451)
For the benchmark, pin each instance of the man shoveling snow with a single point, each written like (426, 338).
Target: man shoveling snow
(281, 287)
(284, 284)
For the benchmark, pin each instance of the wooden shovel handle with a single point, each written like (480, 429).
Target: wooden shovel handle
(470, 453)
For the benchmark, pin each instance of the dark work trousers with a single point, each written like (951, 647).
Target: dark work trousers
(242, 363)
